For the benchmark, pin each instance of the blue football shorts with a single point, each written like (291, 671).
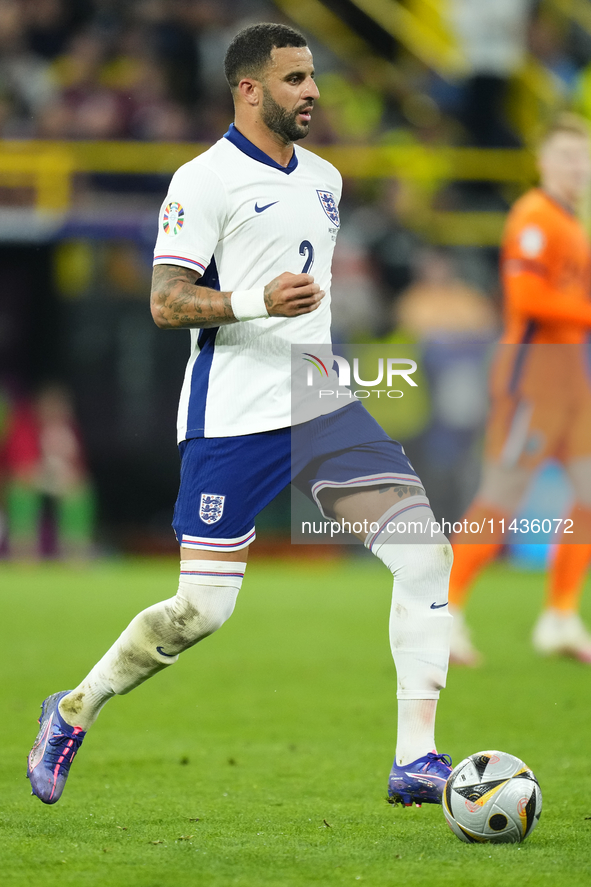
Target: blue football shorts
(227, 481)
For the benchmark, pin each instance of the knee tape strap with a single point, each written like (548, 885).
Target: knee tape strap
(221, 573)
(205, 598)
(410, 520)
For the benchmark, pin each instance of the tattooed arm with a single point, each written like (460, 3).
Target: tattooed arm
(177, 303)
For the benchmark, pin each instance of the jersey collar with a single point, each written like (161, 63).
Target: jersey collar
(246, 146)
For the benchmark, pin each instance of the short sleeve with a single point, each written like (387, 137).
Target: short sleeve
(191, 218)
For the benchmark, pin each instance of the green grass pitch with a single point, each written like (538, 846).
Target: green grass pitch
(261, 758)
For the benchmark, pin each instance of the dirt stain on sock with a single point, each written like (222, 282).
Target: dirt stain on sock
(73, 704)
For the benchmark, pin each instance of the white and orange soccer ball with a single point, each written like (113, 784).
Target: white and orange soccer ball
(492, 797)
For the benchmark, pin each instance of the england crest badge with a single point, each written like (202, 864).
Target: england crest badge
(329, 205)
(211, 507)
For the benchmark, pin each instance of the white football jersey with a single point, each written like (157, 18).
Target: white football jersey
(240, 219)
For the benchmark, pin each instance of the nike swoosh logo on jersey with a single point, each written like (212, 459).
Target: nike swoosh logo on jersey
(261, 209)
(162, 653)
(435, 606)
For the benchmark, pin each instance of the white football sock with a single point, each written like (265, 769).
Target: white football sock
(420, 624)
(416, 729)
(154, 638)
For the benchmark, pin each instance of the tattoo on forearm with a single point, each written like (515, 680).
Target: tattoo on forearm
(178, 303)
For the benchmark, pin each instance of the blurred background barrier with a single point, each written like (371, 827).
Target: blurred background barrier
(48, 171)
(430, 110)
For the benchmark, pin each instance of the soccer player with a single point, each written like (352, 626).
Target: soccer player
(541, 395)
(247, 221)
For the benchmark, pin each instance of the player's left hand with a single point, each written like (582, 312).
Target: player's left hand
(291, 295)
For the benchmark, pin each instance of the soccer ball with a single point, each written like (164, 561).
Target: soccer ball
(492, 797)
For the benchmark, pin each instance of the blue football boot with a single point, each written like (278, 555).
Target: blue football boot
(54, 750)
(421, 781)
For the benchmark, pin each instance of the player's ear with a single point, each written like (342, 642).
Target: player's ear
(249, 90)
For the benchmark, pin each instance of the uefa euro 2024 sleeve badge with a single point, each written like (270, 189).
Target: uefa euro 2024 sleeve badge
(211, 507)
(329, 205)
(173, 218)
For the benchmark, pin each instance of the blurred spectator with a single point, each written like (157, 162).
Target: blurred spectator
(169, 31)
(439, 306)
(149, 112)
(45, 466)
(25, 83)
(392, 246)
(50, 24)
(548, 42)
(493, 40)
(4, 424)
(455, 323)
(85, 108)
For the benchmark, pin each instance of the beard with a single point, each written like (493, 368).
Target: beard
(282, 122)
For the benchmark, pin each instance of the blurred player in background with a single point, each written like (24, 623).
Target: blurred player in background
(45, 465)
(541, 396)
(248, 219)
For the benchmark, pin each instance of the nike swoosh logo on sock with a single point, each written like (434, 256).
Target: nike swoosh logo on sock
(435, 606)
(162, 653)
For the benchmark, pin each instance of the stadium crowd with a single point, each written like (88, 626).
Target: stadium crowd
(149, 69)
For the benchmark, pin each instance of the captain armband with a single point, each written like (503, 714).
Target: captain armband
(249, 304)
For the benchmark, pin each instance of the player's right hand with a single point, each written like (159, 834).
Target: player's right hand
(290, 295)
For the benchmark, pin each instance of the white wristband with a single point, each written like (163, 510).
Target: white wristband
(249, 304)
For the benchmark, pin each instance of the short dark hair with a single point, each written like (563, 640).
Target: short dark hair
(249, 52)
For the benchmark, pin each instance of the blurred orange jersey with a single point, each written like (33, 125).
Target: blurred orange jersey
(546, 271)
(541, 376)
